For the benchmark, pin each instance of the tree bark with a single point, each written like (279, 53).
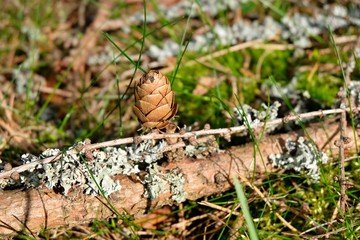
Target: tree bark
(39, 208)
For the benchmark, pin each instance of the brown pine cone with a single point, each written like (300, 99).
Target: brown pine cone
(154, 100)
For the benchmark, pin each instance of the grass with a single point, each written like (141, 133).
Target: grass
(97, 105)
(245, 208)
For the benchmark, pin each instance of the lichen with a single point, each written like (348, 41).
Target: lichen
(156, 183)
(146, 151)
(248, 115)
(352, 90)
(176, 180)
(94, 176)
(300, 156)
(297, 28)
(201, 147)
(94, 173)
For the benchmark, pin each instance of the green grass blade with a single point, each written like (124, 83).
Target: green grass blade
(181, 53)
(245, 209)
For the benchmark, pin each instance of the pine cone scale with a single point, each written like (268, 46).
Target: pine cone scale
(140, 93)
(156, 99)
(163, 90)
(150, 88)
(163, 111)
(155, 125)
(173, 112)
(140, 115)
(146, 107)
(169, 98)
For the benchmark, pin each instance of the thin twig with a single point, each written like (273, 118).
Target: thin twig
(317, 227)
(217, 207)
(343, 196)
(220, 131)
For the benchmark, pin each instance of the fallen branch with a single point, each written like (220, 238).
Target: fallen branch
(220, 131)
(37, 208)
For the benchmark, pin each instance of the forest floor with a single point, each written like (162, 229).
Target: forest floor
(244, 73)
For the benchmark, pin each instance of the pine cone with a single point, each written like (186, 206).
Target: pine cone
(154, 100)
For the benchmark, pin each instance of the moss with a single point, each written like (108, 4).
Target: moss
(234, 61)
(276, 64)
(318, 57)
(249, 6)
(248, 90)
(322, 87)
(203, 109)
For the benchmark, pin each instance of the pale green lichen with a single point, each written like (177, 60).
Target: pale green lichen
(96, 175)
(176, 180)
(300, 156)
(246, 115)
(157, 182)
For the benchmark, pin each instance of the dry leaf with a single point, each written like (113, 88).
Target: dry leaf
(205, 83)
(150, 221)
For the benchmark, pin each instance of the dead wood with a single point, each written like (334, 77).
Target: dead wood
(37, 208)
